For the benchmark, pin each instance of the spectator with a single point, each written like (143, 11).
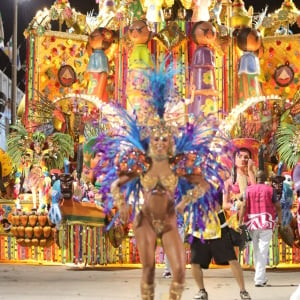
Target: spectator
(216, 245)
(258, 212)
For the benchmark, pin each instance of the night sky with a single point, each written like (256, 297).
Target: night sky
(28, 8)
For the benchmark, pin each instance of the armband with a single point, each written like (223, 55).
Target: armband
(193, 194)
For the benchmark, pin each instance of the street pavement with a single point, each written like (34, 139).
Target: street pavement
(25, 281)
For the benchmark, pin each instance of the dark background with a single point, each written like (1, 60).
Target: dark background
(27, 10)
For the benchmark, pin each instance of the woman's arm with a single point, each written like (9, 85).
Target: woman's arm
(252, 171)
(227, 201)
(119, 199)
(201, 187)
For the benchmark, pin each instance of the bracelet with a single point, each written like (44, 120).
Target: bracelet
(118, 196)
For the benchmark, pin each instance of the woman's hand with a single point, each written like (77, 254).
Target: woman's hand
(180, 207)
(251, 166)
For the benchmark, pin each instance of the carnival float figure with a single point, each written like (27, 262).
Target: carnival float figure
(99, 41)
(203, 82)
(287, 142)
(154, 12)
(86, 189)
(286, 200)
(250, 42)
(139, 63)
(296, 179)
(33, 157)
(240, 16)
(174, 167)
(200, 10)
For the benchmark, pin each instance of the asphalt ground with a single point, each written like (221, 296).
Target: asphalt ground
(26, 281)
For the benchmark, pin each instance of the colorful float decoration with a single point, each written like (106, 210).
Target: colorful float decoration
(32, 229)
(62, 105)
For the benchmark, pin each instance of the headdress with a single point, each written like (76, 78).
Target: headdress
(39, 138)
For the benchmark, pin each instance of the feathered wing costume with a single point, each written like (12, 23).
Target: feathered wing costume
(33, 165)
(199, 147)
(288, 134)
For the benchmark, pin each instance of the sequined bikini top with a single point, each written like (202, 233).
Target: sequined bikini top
(150, 182)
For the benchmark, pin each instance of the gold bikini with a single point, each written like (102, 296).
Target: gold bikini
(167, 183)
(162, 184)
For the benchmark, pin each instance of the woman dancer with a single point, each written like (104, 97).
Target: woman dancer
(171, 168)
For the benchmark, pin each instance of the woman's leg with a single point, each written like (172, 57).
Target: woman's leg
(175, 252)
(146, 242)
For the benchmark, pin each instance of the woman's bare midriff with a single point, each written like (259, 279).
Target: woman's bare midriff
(159, 205)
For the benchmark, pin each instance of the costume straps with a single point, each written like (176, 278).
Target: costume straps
(176, 290)
(147, 291)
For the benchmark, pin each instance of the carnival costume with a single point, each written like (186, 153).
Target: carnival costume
(33, 165)
(195, 150)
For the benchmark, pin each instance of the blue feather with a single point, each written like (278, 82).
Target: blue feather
(161, 83)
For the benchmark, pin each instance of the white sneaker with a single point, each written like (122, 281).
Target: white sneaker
(167, 274)
(202, 294)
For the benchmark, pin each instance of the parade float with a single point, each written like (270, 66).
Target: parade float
(61, 219)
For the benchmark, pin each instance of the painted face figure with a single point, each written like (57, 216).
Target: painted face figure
(249, 39)
(253, 41)
(101, 38)
(204, 33)
(139, 32)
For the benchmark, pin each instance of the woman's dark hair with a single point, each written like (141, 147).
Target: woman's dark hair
(243, 149)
